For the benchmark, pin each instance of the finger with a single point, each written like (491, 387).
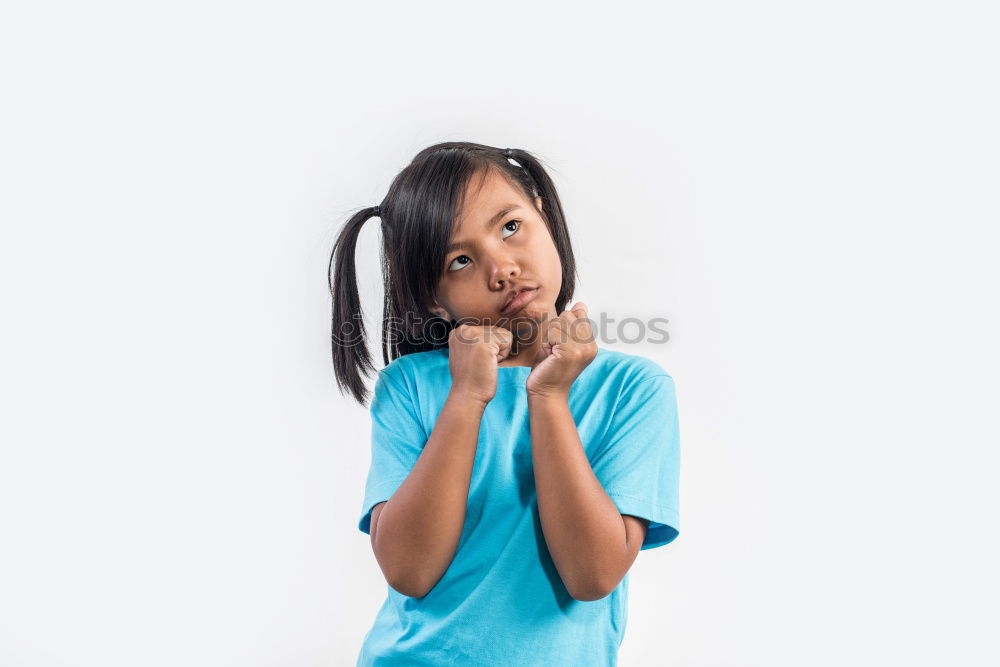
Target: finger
(500, 332)
(578, 310)
(581, 329)
(573, 313)
(557, 330)
(575, 324)
(560, 322)
(502, 337)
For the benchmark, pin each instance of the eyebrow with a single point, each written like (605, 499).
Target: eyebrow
(497, 217)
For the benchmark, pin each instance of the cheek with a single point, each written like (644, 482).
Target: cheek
(552, 276)
(459, 298)
(552, 264)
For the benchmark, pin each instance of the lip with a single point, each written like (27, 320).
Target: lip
(520, 300)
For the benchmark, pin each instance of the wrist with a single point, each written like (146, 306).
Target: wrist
(548, 396)
(466, 400)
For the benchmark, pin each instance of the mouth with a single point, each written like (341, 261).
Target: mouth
(518, 300)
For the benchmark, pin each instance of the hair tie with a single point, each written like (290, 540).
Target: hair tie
(375, 211)
(508, 153)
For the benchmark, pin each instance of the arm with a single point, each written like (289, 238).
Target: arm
(415, 533)
(591, 543)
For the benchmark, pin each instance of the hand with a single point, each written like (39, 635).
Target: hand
(473, 354)
(568, 346)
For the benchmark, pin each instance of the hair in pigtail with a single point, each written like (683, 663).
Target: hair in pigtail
(351, 358)
(418, 215)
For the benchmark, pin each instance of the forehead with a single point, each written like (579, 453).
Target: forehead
(485, 194)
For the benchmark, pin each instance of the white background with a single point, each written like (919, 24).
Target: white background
(808, 191)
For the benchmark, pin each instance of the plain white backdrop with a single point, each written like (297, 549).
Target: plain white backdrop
(807, 191)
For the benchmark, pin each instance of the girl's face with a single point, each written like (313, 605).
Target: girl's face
(499, 243)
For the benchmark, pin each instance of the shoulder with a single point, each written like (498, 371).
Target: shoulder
(409, 370)
(626, 370)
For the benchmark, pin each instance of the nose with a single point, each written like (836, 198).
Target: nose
(502, 269)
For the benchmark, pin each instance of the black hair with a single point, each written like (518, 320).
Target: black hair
(418, 214)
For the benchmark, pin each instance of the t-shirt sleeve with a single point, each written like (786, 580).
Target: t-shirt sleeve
(397, 440)
(638, 463)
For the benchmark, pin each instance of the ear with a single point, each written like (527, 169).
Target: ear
(538, 203)
(436, 308)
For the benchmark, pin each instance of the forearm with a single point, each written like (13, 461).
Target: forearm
(420, 526)
(583, 528)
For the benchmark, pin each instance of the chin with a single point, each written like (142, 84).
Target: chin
(530, 313)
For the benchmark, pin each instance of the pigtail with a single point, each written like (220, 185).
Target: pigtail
(351, 358)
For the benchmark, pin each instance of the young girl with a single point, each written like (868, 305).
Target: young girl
(517, 468)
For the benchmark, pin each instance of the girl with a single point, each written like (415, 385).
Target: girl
(517, 469)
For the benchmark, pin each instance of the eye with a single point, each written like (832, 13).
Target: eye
(455, 260)
(505, 226)
(517, 222)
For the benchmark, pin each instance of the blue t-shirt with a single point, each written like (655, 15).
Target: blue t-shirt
(501, 600)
